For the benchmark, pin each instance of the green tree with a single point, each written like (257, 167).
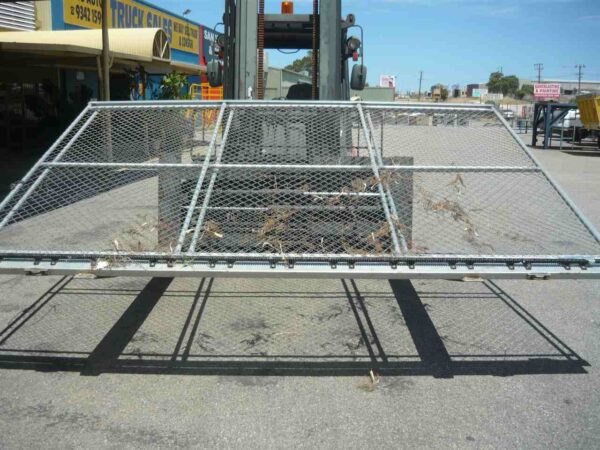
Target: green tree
(507, 85)
(526, 89)
(510, 85)
(173, 86)
(303, 64)
(495, 82)
(444, 93)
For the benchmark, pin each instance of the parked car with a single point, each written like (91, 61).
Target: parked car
(508, 114)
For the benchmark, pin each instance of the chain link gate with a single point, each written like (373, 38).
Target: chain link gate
(336, 189)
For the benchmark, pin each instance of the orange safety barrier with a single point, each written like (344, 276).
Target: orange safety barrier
(204, 91)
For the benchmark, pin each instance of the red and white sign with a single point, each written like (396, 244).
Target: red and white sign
(388, 81)
(546, 90)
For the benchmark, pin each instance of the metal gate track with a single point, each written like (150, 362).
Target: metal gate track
(297, 189)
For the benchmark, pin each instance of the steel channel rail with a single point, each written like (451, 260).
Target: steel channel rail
(461, 271)
(217, 256)
(43, 175)
(197, 189)
(211, 184)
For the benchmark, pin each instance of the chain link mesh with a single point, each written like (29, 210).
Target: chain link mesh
(438, 136)
(289, 180)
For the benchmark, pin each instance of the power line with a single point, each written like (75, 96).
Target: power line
(579, 68)
(539, 67)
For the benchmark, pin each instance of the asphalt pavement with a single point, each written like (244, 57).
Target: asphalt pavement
(250, 363)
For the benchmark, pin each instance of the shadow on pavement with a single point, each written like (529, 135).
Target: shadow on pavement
(174, 326)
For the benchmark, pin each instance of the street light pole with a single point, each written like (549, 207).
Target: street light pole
(105, 53)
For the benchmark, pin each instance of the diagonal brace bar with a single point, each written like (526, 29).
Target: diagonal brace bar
(374, 167)
(211, 184)
(196, 195)
(381, 165)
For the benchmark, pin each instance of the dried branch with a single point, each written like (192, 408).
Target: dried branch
(213, 229)
(458, 183)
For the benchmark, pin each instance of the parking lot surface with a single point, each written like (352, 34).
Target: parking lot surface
(267, 363)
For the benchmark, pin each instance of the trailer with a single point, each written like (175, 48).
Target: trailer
(589, 105)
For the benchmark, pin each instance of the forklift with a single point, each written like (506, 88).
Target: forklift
(248, 31)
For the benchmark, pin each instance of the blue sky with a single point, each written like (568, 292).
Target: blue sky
(457, 41)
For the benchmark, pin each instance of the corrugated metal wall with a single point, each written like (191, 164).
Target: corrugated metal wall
(17, 16)
(375, 94)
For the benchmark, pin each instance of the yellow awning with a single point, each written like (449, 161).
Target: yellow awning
(149, 45)
(139, 44)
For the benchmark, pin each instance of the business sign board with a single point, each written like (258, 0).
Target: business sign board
(183, 34)
(546, 91)
(208, 38)
(387, 81)
(479, 92)
(494, 97)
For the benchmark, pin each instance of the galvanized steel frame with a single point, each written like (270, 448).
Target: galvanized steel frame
(186, 262)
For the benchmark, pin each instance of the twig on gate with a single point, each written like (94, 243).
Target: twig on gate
(277, 222)
(359, 185)
(213, 229)
(350, 250)
(458, 183)
(458, 213)
(374, 238)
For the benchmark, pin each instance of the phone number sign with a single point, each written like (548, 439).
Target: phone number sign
(183, 35)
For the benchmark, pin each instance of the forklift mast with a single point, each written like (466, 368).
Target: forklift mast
(248, 31)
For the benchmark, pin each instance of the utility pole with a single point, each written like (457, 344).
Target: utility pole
(105, 53)
(579, 68)
(420, 81)
(539, 67)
